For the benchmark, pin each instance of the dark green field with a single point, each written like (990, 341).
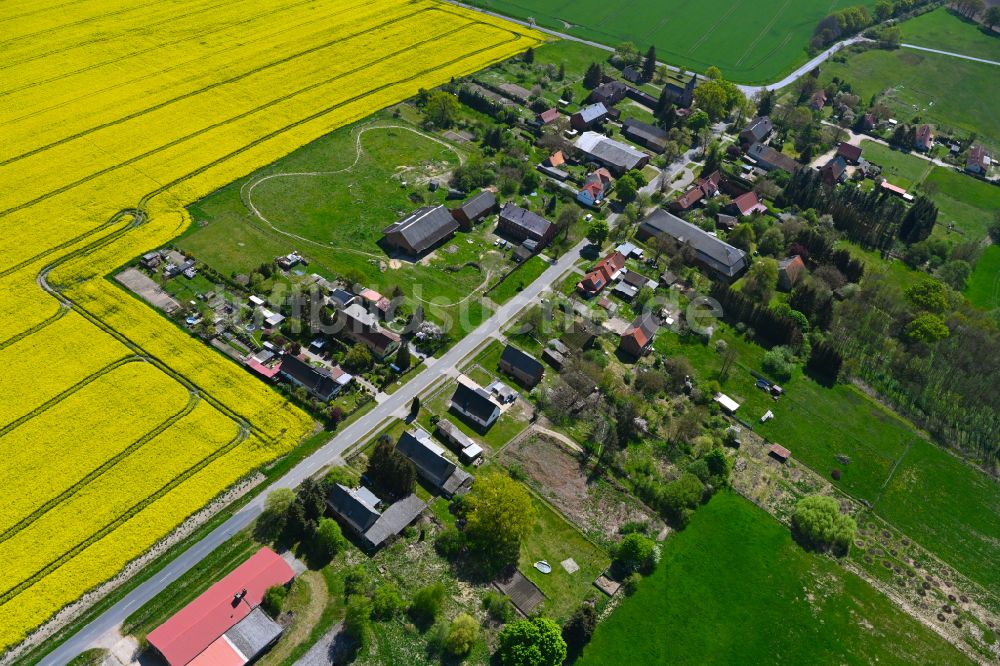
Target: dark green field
(752, 42)
(984, 285)
(734, 588)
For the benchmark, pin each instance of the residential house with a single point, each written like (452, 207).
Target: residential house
(595, 188)
(289, 261)
(638, 338)
(631, 74)
(361, 326)
(851, 154)
(421, 230)
(150, 260)
(680, 93)
(609, 93)
(447, 478)
(644, 134)
(818, 100)
(322, 384)
(475, 404)
(521, 224)
(719, 258)
(747, 204)
(618, 157)
(978, 162)
(834, 172)
(548, 116)
(924, 140)
(588, 116)
(467, 449)
(550, 167)
(790, 270)
(769, 159)
(757, 131)
(341, 298)
(602, 274)
(357, 509)
(264, 363)
(522, 366)
(705, 188)
(225, 624)
(475, 209)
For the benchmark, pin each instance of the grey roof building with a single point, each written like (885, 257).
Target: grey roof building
(476, 404)
(718, 257)
(254, 634)
(588, 116)
(758, 130)
(769, 159)
(615, 155)
(421, 230)
(321, 383)
(447, 477)
(357, 508)
(475, 209)
(650, 136)
(525, 367)
(522, 224)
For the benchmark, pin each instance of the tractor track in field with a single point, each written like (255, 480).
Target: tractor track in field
(192, 402)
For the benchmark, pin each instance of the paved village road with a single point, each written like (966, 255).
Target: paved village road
(396, 404)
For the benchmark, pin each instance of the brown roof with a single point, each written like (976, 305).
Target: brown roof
(557, 159)
(549, 115)
(849, 152)
(779, 451)
(748, 203)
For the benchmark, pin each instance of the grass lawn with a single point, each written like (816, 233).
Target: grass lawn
(750, 42)
(898, 168)
(959, 510)
(502, 431)
(518, 280)
(734, 588)
(983, 289)
(971, 204)
(947, 31)
(951, 93)
(332, 209)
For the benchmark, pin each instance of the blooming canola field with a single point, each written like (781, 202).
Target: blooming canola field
(115, 425)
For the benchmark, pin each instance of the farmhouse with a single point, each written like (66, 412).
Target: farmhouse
(852, 154)
(524, 367)
(446, 477)
(789, 272)
(475, 404)
(357, 509)
(978, 162)
(475, 209)
(588, 116)
(321, 383)
(421, 230)
(757, 131)
(747, 204)
(225, 625)
(609, 93)
(522, 224)
(602, 274)
(615, 155)
(638, 338)
(467, 449)
(834, 172)
(705, 187)
(924, 140)
(362, 326)
(769, 159)
(721, 259)
(649, 136)
(595, 188)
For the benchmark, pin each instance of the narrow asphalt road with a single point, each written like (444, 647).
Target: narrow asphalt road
(331, 452)
(950, 53)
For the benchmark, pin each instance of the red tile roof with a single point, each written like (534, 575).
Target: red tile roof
(549, 115)
(748, 203)
(602, 273)
(199, 624)
(895, 189)
(557, 159)
(780, 451)
(262, 369)
(849, 152)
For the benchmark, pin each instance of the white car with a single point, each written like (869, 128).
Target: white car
(588, 217)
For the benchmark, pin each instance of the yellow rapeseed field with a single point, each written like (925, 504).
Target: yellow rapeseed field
(115, 425)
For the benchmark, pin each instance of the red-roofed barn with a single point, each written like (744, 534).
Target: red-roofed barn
(225, 625)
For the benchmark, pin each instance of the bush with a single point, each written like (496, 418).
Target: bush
(273, 599)
(328, 540)
(579, 628)
(535, 642)
(778, 363)
(498, 607)
(449, 543)
(273, 519)
(426, 604)
(357, 619)
(631, 583)
(386, 602)
(635, 552)
(356, 581)
(462, 635)
(819, 524)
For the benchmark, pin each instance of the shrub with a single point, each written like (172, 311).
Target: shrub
(535, 642)
(579, 628)
(273, 600)
(328, 540)
(357, 619)
(426, 604)
(386, 602)
(449, 543)
(778, 363)
(462, 635)
(631, 583)
(498, 607)
(356, 581)
(819, 524)
(635, 552)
